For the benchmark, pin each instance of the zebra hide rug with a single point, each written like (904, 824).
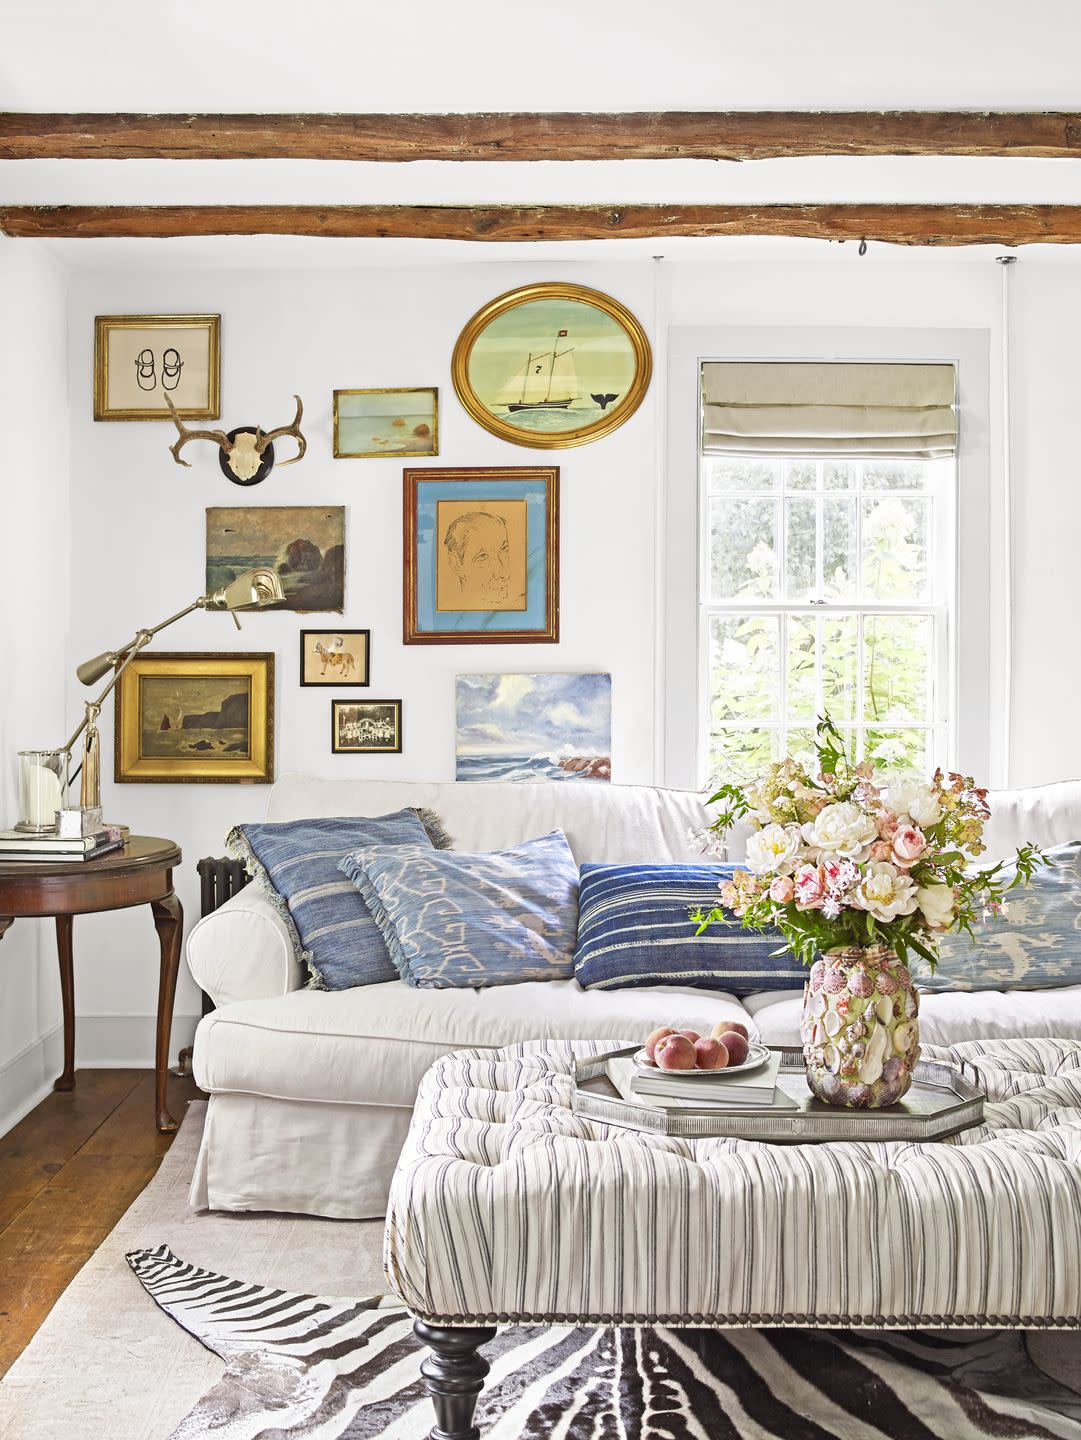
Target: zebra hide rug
(313, 1366)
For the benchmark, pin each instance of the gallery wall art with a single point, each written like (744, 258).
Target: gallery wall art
(366, 727)
(534, 727)
(552, 365)
(335, 657)
(304, 544)
(142, 361)
(195, 717)
(370, 424)
(481, 556)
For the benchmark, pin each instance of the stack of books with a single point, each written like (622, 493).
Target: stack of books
(16, 845)
(672, 1090)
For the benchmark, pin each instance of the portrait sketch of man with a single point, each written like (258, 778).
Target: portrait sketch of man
(481, 555)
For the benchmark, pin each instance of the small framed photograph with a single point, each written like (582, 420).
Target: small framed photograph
(372, 423)
(366, 727)
(335, 657)
(482, 556)
(141, 359)
(189, 717)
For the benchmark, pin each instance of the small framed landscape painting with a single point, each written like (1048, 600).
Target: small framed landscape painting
(190, 717)
(481, 556)
(335, 657)
(534, 727)
(366, 727)
(552, 365)
(372, 423)
(304, 544)
(141, 359)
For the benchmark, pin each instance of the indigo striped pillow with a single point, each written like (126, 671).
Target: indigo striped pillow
(634, 928)
(295, 864)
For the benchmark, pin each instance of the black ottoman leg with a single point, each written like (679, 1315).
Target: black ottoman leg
(454, 1373)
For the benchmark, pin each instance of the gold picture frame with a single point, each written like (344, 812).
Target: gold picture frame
(161, 739)
(122, 341)
(515, 338)
(416, 446)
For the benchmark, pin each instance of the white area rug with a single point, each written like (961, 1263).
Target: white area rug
(109, 1365)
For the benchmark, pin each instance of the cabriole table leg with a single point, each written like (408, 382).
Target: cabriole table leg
(169, 923)
(65, 954)
(454, 1374)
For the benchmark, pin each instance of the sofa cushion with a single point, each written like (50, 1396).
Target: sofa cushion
(371, 1046)
(950, 1017)
(295, 864)
(451, 919)
(635, 928)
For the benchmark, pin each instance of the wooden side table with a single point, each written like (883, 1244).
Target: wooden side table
(140, 874)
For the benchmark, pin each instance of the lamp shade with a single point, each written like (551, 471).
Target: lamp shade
(251, 590)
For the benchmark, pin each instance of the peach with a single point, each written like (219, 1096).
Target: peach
(730, 1027)
(675, 1052)
(655, 1038)
(736, 1045)
(710, 1054)
(692, 1035)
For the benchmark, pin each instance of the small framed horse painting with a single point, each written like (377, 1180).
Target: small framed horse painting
(335, 657)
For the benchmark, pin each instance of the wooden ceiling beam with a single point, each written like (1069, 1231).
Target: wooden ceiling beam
(897, 224)
(672, 135)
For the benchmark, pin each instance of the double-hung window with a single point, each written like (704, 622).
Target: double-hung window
(827, 570)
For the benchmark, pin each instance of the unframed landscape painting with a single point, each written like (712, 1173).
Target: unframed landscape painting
(305, 544)
(534, 727)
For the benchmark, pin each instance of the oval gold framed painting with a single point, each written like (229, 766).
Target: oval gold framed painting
(552, 365)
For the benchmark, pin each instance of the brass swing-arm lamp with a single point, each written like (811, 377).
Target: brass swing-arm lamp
(251, 590)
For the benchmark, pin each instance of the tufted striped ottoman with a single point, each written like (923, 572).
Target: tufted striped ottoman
(508, 1208)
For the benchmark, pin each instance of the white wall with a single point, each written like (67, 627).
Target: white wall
(34, 614)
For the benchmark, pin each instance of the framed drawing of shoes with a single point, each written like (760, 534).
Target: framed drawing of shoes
(141, 359)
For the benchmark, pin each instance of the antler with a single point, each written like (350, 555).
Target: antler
(293, 429)
(218, 436)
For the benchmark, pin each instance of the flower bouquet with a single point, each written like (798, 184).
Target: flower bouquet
(856, 872)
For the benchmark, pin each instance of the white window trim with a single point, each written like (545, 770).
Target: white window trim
(973, 728)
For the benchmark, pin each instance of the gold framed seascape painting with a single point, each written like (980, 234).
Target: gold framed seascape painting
(552, 365)
(481, 555)
(370, 424)
(196, 718)
(139, 360)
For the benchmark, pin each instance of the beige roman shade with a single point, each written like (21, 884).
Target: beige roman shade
(779, 407)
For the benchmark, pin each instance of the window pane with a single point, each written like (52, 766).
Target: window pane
(895, 549)
(800, 518)
(800, 475)
(895, 475)
(743, 549)
(800, 745)
(838, 474)
(898, 750)
(820, 667)
(839, 680)
(896, 668)
(737, 473)
(738, 755)
(838, 549)
(744, 666)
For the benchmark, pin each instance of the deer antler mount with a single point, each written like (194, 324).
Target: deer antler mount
(246, 454)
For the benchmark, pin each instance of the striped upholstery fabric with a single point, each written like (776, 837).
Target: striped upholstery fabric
(635, 928)
(295, 864)
(507, 1204)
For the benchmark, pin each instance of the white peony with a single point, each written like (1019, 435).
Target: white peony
(937, 904)
(885, 892)
(774, 850)
(914, 798)
(842, 830)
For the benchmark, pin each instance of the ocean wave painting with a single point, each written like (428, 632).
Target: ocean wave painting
(534, 727)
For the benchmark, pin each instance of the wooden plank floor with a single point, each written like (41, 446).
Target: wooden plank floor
(68, 1171)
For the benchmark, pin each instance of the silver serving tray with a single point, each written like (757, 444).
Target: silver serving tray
(942, 1101)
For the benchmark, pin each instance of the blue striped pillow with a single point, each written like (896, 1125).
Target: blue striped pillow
(634, 928)
(295, 864)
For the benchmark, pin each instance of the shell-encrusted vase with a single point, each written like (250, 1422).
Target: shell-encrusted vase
(860, 1027)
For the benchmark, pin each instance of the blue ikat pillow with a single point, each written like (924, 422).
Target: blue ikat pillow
(452, 920)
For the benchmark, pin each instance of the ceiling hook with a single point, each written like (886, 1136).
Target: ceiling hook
(863, 247)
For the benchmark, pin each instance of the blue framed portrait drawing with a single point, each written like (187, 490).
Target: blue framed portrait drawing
(482, 556)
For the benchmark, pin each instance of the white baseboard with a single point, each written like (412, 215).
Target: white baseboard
(126, 1042)
(28, 1077)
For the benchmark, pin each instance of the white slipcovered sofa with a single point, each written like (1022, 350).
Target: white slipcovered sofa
(311, 1092)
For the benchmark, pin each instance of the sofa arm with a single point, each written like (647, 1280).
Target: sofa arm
(243, 951)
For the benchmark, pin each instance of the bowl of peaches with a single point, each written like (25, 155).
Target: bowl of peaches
(727, 1049)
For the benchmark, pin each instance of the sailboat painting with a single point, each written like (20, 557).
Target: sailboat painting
(552, 365)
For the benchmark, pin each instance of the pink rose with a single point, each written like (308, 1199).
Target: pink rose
(887, 825)
(909, 843)
(882, 850)
(810, 888)
(782, 890)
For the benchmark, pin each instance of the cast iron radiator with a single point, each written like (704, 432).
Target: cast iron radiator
(219, 880)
